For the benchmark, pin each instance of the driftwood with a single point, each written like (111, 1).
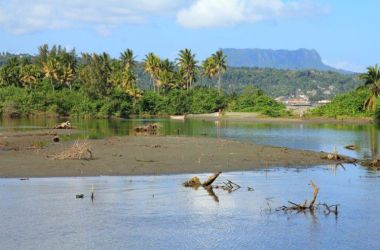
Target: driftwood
(79, 151)
(230, 186)
(311, 206)
(64, 125)
(338, 158)
(211, 179)
(150, 129)
(195, 182)
(304, 206)
(375, 163)
(350, 147)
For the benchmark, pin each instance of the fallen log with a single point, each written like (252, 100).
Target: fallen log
(211, 179)
(64, 125)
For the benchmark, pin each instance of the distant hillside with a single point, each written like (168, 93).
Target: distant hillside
(275, 82)
(278, 82)
(5, 56)
(277, 59)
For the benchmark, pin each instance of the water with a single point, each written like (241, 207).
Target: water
(156, 212)
(316, 137)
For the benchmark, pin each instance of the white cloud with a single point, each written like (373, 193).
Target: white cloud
(221, 13)
(25, 16)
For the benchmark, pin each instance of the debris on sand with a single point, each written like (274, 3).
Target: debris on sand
(375, 163)
(149, 129)
(64, 125)
(334, 156)
(78, 151)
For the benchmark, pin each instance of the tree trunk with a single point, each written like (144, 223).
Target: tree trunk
(52, 84)
(219, 82)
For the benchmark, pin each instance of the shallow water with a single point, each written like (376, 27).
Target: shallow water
(156, 212)
(317, 137)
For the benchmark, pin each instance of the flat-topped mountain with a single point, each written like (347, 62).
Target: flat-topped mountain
(278, 59)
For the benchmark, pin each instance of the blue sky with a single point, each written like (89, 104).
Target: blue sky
(345, 33)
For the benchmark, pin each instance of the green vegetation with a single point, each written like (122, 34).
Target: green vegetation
(363, 102)
(318, 85)
(349, 104)
(59, 82)
(372, 81)
(253, 100)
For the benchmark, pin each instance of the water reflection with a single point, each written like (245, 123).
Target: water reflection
(156, 212)
(316, 137)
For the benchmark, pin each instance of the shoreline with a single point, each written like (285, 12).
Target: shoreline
(234, 116)
(254, 117)
(147, 155)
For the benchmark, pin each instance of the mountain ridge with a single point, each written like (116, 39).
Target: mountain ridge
(278, 59)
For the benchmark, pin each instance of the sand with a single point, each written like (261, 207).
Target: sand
(31, 154)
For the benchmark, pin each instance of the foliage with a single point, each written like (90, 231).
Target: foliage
(372, 81)
(60, 82)
(254, 100)
(349, 104)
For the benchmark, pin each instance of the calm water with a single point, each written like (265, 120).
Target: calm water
(302, 136)
(156, 212)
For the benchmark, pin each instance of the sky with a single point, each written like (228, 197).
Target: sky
(345, 33)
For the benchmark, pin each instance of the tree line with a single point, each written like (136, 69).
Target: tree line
(99, 72)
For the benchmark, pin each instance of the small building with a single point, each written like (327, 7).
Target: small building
(298, 102)
(324, 101)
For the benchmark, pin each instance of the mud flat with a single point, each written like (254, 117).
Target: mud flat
(32, 154)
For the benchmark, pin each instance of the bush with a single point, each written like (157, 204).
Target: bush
(206, 100)
(349, 104)
(253, 100)
(151, 103)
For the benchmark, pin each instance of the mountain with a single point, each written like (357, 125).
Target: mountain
(277, 59)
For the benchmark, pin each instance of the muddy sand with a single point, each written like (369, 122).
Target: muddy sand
(32, 155)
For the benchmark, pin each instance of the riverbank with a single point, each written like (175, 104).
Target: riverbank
(133, 155)
(257, 118)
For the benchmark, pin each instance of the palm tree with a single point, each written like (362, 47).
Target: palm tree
(208, 68)
(372, 81)
(128, 59)
(128, 81)
(167, 77)
(29, 75)
(50, 68)
(187, 66)
(151, 66)
(67, 76)
(220, 66)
